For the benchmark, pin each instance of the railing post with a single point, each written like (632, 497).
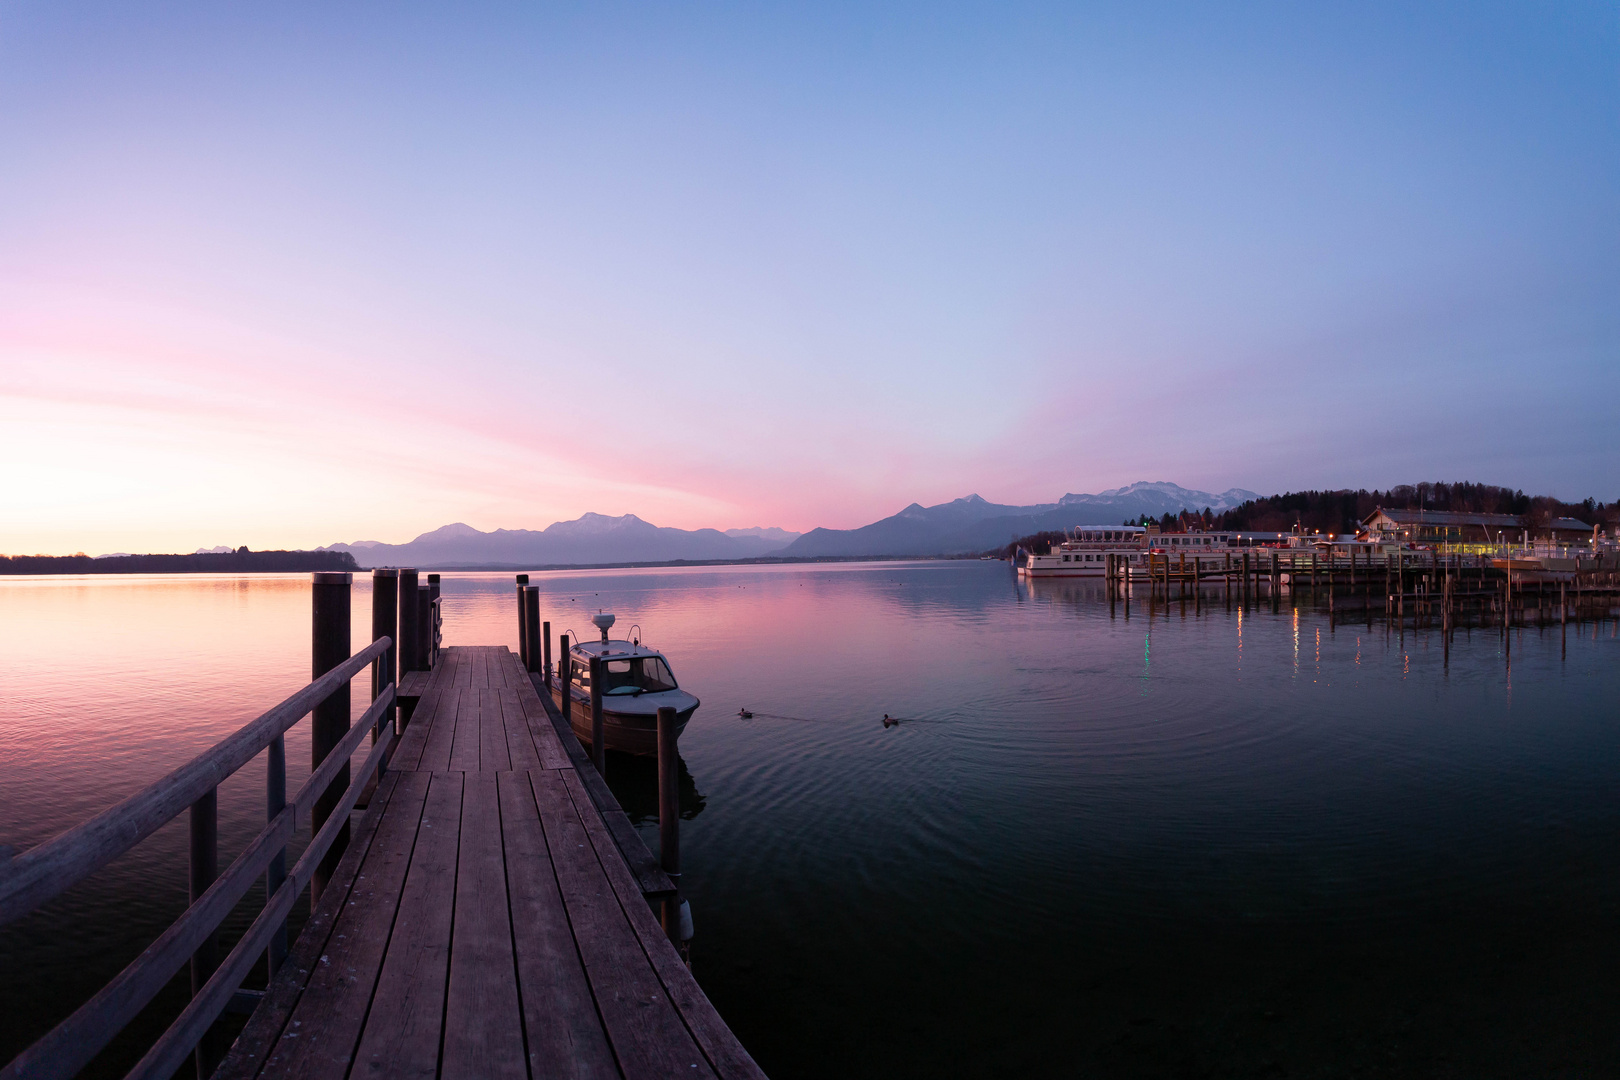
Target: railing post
(545, 657)
(531, 627)
(598, 750)
(523, 625)
(275, 801)
(435, 621)
(204, 868)
(384, 617)
(329, 721)
(407, 619)
(669, 819)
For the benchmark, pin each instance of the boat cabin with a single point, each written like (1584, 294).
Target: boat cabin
(628, 669)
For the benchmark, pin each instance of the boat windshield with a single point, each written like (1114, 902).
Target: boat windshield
(638, 675)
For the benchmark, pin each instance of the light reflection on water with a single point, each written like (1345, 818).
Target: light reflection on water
(1135, 844)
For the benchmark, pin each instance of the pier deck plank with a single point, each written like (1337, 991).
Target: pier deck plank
(489, 919)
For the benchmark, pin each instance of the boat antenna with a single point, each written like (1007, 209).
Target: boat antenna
(634, 633)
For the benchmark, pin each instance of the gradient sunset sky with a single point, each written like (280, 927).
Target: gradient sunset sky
(285, 274)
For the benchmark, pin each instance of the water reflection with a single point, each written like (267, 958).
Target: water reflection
(1127, 849)
(633, 779)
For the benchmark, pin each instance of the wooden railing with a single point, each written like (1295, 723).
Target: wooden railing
(325, 800)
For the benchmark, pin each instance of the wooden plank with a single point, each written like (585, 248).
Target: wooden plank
(538, 722)
(519, 739)
(564, 1032)
(436, 750)
(408, 753)
(483, 1024)
(641, 862)
(469, 717)
(402, 1032)
(493, 756)
(719, 1045)
(264, 1028)
(499, 677)
(325, 1025)
(647, 1032)
(414, 684)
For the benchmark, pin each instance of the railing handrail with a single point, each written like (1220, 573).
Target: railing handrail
(42, 872)
(69, 1046)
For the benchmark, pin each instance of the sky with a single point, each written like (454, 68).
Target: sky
(285, 275)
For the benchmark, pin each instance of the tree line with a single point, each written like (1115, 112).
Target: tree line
(217, 562)
(1343, 510)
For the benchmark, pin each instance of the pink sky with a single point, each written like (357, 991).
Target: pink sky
(291, 278)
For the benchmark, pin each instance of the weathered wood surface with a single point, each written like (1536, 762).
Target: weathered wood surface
(485, 921)
(413, 683)
(643, 866)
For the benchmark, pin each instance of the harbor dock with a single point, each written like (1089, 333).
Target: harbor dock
(492, 914)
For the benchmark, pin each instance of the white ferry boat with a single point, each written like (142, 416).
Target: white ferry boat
(1085, 553)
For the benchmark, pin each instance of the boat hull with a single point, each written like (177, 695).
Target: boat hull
(624, 732)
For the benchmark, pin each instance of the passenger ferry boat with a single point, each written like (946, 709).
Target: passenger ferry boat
(1085, 553)
(636, 683)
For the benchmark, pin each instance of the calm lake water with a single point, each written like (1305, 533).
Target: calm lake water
(1227, 843)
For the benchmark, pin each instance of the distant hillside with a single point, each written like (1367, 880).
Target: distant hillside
(1340, 511)
(592, 539)
(973, 525)
(228, 562)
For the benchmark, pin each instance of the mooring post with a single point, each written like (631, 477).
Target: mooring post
(407, 621)
(523, 633)
(565, 676)
(384, 617)
(424, 628)
(531, 627)
(203, 869)
(329, 721)
(669, 819)
(545, 655)
(598, 750)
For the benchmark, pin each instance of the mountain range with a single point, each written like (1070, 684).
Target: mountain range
(971, 524)
(963, 526)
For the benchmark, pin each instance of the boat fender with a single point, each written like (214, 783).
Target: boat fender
(686, 920)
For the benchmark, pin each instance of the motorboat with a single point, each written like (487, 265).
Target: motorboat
(636, 683)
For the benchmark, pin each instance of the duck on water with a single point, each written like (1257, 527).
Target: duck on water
(636, 683)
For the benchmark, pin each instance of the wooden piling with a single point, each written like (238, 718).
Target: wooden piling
(669, 819)
(329, 721)
(407, 619)
(565, 675)
(598, 738)
(384, 620)
(545, 656)
(523, 626)
(424, 627)
(531, 627)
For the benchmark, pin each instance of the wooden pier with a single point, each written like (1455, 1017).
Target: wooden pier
(491, 916)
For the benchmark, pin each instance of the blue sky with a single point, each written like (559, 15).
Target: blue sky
(289, 275)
